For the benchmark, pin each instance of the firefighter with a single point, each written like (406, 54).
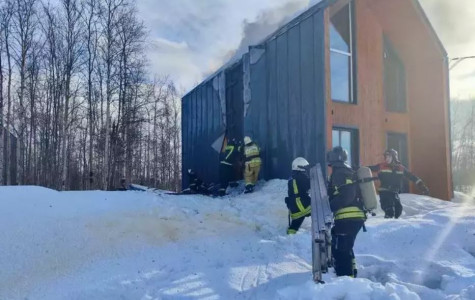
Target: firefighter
(197, 186)
(228, 158)
(391, 173)
(252, 164)
(298, 200)
(347, 210)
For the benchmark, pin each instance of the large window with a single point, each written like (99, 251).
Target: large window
(348, 140)
(341, 55)
(394, 80)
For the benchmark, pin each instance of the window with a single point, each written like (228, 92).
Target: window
(348, 140)
(341, 55)
(394, 80)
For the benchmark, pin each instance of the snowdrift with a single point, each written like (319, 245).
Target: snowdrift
(150, 245)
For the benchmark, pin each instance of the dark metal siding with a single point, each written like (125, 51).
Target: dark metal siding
(201, 125)
(234, 102)
(286, 116)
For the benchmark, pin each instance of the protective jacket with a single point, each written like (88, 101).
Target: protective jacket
(298, 200)
(391, 176)
(343, 192)
(230, 155)
(252, 154)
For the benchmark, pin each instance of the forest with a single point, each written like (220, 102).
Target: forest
(78, 102)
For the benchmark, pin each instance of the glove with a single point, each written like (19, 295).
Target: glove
(424, 189)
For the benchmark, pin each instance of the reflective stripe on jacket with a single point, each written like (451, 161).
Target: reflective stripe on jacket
(228, 156)
(351, 212)
(302, 210)
(252, 154)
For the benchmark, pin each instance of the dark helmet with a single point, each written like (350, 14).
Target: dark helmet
(393, 153)
(337, 154)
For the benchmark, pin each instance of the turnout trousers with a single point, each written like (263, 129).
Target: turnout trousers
(390, 204)
(343, 239)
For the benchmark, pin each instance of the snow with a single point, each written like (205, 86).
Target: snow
(464, 198)
(150, 245)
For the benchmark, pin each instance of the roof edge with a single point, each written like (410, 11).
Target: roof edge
(305, 14)
(210, 77)
(431, 28)
(294, 21)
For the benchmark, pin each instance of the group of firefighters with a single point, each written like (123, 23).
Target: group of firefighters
(343, 191)
(234, 155)
(345, 200)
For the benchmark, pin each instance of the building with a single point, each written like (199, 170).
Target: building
(364, 74)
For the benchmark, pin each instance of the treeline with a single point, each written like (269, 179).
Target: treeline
(77, 97)
(463, 145)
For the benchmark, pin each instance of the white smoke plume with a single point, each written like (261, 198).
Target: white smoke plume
(267, 22)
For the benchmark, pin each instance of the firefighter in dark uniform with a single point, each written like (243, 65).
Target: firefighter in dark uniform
(252, 163)
(391, 173)
(227, 160)
(197, 186)
(347, 208)
(298, 200)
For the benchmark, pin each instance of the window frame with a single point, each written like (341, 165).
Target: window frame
(351, 55)
(389, 48)
(354, 140)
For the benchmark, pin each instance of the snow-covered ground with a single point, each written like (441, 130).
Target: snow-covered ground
(144, 245)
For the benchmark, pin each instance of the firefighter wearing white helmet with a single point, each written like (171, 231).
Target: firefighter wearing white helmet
(252, 164)
(298, 200)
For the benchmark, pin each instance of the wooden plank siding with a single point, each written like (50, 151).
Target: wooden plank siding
(426, 122)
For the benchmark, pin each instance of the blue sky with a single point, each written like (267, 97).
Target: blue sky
(192, 38)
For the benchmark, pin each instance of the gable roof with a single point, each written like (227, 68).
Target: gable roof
(323, 4)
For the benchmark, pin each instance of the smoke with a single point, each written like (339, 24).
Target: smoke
(267, 22)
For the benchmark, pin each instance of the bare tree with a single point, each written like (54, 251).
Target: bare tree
(71, 57)
(6, 25)
(75, 90)
(90, 19)
(24, 27)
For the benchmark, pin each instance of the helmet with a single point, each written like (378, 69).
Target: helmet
(299, 164)
(337, 154)
(247, 140)
(393, 153)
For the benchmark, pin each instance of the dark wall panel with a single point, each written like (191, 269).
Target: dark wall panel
(256, 122)
(283, 150)
(286, 115)
(307, 91)
(295, 99)
(201, 126)
(294, 74)
(272, 116)
(234, 102)
(319, 120)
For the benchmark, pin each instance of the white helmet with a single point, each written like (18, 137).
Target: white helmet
(247, 140)
(299, 163)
